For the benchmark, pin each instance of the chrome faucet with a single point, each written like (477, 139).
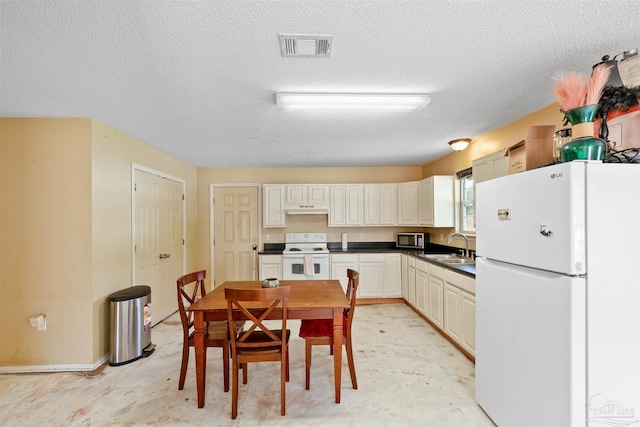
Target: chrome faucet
(466, 242)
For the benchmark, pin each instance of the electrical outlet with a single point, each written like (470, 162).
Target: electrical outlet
(282, 237)
(267, 237)
(441, 237)
(361, 236)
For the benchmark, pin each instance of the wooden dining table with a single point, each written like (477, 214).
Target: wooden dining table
(309, 299)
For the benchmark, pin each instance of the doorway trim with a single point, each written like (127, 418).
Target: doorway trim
(212, 236)
(138, 167)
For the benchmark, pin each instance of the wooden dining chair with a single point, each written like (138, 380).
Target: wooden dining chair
(320, 331)
(258, 343)
(190, 289)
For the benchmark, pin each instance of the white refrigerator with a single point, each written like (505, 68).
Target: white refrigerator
(557, 296)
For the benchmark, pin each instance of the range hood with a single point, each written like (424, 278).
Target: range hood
(307, 209)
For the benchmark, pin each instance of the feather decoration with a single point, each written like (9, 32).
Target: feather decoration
(596, 83)
(570, 90)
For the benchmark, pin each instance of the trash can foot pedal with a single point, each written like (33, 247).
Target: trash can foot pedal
(146, 352)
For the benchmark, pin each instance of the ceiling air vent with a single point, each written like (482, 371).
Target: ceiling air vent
(308, 45)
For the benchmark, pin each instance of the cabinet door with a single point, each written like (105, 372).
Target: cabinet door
(443, 201)
(372, 204)
(408, 203)
(270, 266)
(436, 303)
(412, 282)
(337, 206)
(421, 290)
(371, 275)
(273, 205)
(393, 276)
(451, 312)
(354, 204)
(405, 277)
(339, 265)
(388, 204)
(425, 202)
(296, 194)
(468, 322)
(318, 194)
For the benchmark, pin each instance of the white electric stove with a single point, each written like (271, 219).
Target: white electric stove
(305, 256)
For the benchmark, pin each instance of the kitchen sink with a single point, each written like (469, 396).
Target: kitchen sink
(450, 258)
(442, 256)
(457, 261)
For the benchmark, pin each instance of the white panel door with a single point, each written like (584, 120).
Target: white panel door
(159, 239)
(235, 234)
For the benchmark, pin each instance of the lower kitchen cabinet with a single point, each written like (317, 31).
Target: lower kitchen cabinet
(371, 268)
(421, 286)
(446, 298)
(380, 273)
(270, 266)
(460, 309)
(435, 295)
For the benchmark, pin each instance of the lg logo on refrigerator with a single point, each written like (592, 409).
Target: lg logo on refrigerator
(556, 175)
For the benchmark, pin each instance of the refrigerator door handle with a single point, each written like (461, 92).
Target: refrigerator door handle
(545, 230)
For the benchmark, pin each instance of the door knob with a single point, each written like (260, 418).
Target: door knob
(163, 256)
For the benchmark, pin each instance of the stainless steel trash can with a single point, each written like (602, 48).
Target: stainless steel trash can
(130, 325)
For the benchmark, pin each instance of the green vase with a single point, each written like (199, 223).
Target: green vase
(586, 147)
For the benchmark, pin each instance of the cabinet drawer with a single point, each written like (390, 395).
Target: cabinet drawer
(371, 257)
(436, 270)
(421, 266)
(463, 282)
(351, 258)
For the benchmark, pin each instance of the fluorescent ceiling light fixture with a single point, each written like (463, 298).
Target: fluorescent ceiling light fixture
(352, 101)
(459, 144)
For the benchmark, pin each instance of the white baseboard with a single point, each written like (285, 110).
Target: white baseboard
(83, 367)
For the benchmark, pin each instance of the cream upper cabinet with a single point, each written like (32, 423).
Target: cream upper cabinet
(380, 204)
(436, 201)
(307, 194)
(273, 205)
(345, 205)
(489, 167)
(408, 203)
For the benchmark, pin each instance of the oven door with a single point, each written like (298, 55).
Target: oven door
(317, 266)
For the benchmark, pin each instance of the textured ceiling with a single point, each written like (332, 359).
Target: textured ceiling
(197, 79)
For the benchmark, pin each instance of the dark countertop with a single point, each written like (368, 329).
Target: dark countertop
(385, 247)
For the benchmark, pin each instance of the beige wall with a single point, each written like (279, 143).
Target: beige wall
(65, 218)
(483, 145)
(45, 255)
(113, 154)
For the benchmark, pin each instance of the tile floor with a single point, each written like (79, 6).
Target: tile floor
(408, 375)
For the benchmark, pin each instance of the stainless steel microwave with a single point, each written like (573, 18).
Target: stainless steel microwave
(411, 240)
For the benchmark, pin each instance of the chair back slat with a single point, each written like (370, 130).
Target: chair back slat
(352, 288)
(237, 300)
(190, 289)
